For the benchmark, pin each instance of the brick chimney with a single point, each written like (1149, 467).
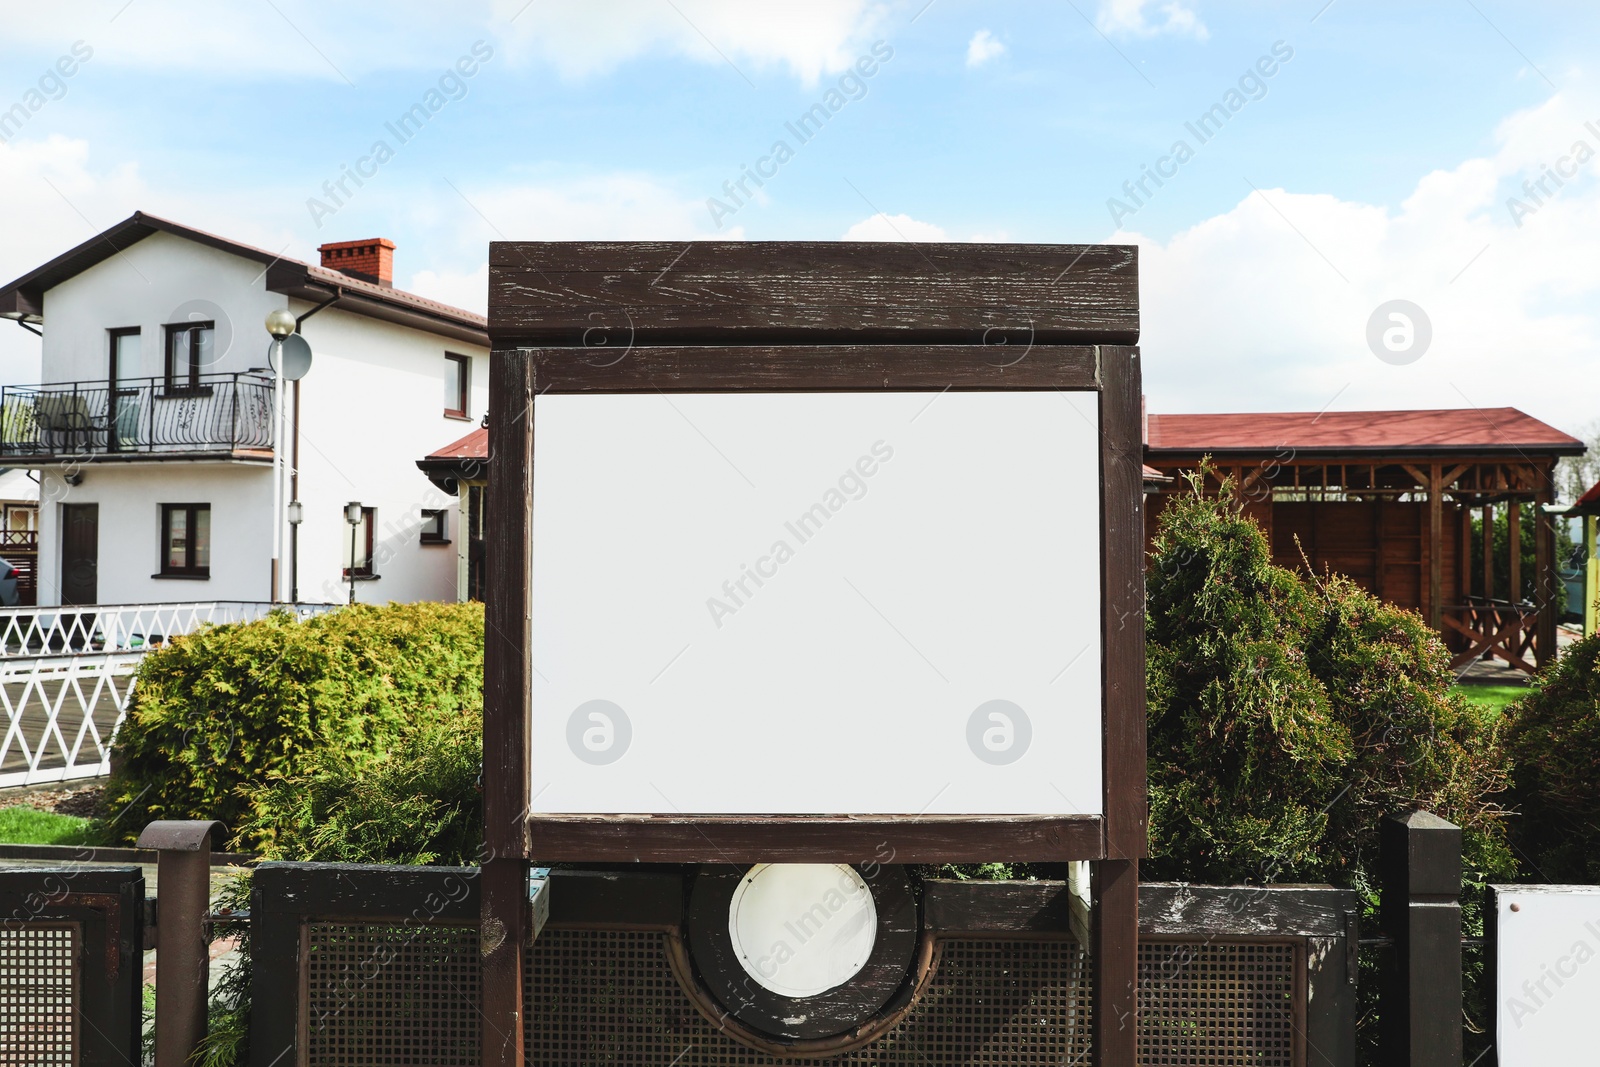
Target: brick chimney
(371, 260)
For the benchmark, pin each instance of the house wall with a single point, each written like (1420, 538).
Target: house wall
(130, 496)
(372, 405)
(161, 279)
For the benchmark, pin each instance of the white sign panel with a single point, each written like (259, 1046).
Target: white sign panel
(816, 603)
(1548, 964)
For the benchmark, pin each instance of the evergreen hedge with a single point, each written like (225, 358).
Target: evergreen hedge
(1289, 714)
(1554, 739)
(217, 713)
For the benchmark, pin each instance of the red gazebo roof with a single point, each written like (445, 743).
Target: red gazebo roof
(1476, 430)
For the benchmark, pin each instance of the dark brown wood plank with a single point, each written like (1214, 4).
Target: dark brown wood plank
(507, 668)
(815, 368)
(1115, 962)
(629, 899)
(986, 909)
(506, 697)
(560, 292)
(1201, 912)
(815, 839)
(1122, 593)
(310, 891)
(504, 935)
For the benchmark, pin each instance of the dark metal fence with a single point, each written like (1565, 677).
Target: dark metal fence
(71, 940)
(361, 965)
(208, 413)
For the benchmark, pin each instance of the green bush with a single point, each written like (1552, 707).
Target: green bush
(1554, 738)
(217, 713)
(418, 803)
(1289, 714)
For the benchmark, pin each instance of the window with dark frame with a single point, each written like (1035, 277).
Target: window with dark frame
(435, 526)
(457, 385)
(363, 544)
(189, 349)
(185, 541)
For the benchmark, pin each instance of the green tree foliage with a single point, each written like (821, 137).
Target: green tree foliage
(1554, 739)
(218, 713)
(418, 803)
(1289, 714)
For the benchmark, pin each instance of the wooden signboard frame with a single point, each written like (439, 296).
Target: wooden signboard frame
(811, 317)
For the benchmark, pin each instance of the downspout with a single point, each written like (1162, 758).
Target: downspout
(294, 460)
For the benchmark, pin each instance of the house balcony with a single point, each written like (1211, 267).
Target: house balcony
(204, 417)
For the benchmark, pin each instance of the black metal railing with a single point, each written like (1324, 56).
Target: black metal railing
(207, 413)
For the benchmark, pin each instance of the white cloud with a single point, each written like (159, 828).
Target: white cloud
(1241, 312)
(982, 48)
(881, 227)
(1133, 18)
(51, 191)
(809, 37)
(621, 207)
(350, 41)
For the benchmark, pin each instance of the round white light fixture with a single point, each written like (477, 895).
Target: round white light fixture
(280, 323)
(800, 929)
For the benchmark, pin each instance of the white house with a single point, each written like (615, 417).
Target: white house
(154, 429)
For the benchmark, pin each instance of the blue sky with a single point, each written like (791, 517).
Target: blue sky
(1375, 163)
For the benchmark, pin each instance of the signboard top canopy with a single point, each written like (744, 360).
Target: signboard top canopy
(599, 294)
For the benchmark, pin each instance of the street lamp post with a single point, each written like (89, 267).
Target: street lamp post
(280, 324)
(296, 513)
(352, 515)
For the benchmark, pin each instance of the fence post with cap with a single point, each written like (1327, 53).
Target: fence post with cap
(183, 961)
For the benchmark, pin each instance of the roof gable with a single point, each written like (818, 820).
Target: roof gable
(24, 298)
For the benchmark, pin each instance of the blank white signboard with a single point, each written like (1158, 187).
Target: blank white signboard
(1548, 984)
(816, 603)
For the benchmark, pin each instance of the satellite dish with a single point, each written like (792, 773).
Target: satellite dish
(291, 357)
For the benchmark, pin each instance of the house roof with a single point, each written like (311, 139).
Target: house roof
(24, 298)
(473, 446)
(1588, 503)
(1474, 430)
(464, 458)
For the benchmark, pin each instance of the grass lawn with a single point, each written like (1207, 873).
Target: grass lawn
(22, 825)
(1494, 696)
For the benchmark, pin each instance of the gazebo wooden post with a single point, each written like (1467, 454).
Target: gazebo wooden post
(1545, 579)
(1435, 547)
(1514, 546)
(1488, 551)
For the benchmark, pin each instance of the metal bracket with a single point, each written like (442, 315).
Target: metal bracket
(539, 899)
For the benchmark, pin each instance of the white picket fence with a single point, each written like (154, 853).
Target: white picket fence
(42, 631)
(66, 676)
(61, 714)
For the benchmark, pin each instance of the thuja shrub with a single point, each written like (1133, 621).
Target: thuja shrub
(1554, 738)
(417, 803)
(1289, 713)
(217, 713)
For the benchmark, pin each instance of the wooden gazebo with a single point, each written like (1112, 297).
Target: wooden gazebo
(1386, 497)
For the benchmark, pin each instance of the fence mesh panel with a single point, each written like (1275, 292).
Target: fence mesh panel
(383, 995)
(38, 1023)
(386, 994)
(1218, 1003)
(602, 996)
